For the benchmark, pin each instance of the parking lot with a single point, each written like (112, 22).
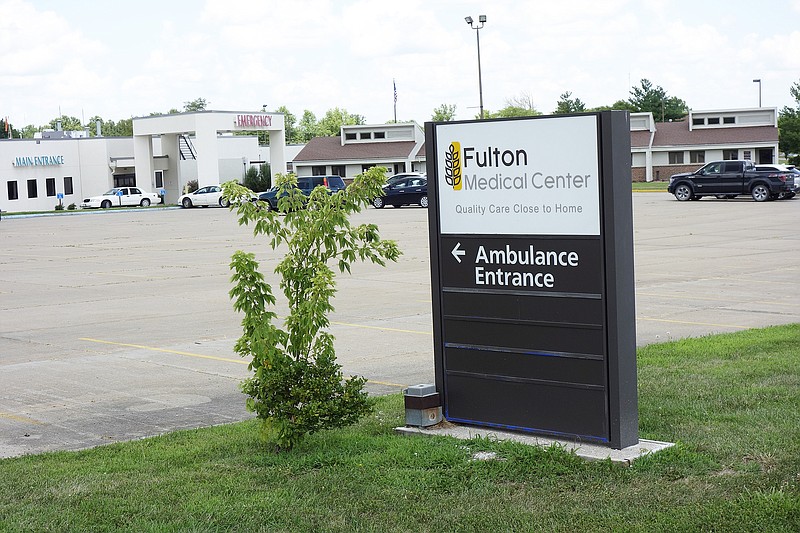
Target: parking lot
(116, 325)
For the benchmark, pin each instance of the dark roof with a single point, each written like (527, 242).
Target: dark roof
(640, 139)
(331, 149)
(678, 134)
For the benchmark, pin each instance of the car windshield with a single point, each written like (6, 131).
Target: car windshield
(111, 192)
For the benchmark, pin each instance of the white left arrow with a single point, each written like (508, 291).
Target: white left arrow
(458, 252)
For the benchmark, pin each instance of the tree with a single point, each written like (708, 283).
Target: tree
(518, 106)
(297, 387)
(7, 130)
(655, 100)
(289, 120)
(622, 105)
(566, 104)
(331, 124)
(258, 179)
(307, 129)
(198, 104)
(444, 113)
(789, 128)
(67, 123)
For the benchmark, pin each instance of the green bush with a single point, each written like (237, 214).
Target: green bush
(297, 388)
(72, 207)
(59, 207)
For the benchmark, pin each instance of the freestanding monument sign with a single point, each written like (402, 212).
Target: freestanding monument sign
(532, 274)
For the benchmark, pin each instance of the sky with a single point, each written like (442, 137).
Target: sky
(128, 58)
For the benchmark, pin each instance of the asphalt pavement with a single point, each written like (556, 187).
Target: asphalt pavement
(117, 325)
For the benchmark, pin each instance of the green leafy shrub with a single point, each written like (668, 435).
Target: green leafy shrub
(297, 387)
(59, 207)
(72, 207)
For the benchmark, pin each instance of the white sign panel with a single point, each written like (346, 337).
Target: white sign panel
(521, 177)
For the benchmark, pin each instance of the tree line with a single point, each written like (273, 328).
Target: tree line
(646, 97)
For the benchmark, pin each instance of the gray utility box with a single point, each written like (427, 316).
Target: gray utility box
(423, 407)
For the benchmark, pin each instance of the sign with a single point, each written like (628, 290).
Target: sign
(255, 120)
(532, 274)
(498, 182)
(38, 161)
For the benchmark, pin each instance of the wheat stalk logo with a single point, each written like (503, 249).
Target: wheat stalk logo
(452, 166)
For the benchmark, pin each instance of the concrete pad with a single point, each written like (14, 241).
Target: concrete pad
(590, 452)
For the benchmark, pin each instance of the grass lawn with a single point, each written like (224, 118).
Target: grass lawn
(653, 186)
(731, 402)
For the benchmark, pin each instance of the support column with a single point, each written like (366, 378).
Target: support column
(143, 157)
(207, 152)
(277, 154)
(172, 176)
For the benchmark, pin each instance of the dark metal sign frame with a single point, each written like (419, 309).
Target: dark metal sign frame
(532, 274)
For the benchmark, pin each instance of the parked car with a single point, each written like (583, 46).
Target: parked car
(306, 184)
(121, 196)
(406, 191)
(205, 196)
(397, 177)
(729, 179)
(784, 168)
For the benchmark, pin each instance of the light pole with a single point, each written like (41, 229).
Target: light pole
(481, 22)
(758, 81)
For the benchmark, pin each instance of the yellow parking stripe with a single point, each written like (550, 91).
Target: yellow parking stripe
(362, 326)
(18, 418)
(190, 354)
(164, 350)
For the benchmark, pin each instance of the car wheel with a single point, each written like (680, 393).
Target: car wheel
(423, 201)
(224, 202)
(683, 192)
(790, 195)
(760, 193)
(187, 203)
(378, 203)
(106, 204)
(145, 202)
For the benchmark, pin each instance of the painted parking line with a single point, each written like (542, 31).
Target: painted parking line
(164, 350)
(692, 323)
(201, 356)
(712, 299)
(18, 418)
(383, 328)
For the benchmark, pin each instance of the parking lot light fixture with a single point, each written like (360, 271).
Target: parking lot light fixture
(758, 81)
(477, 28)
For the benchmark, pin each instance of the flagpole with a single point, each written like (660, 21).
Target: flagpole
(395, 100)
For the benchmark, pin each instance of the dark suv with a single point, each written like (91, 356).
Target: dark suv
(306, 184)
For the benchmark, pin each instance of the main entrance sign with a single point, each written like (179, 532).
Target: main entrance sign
(532, 274)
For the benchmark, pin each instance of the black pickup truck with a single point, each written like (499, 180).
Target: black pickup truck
(729, 179)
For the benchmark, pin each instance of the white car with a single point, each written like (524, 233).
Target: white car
(121, 196)
(205, 196)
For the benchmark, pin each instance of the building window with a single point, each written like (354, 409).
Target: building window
(159, 179)
(13, 193)
(698, 122)
(748, 155)
(32, 192)
(50, 185)
(318, 170)
(338, 170)
(713, 120)
(730, 155)
(729, 120)
(364, 168)
(697, 156)
(380, 134)
(68, 185)
(350, 136)
(676, 158)
(124, 180)
(365, 135)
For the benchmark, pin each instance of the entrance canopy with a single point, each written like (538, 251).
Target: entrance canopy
(206, 126)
